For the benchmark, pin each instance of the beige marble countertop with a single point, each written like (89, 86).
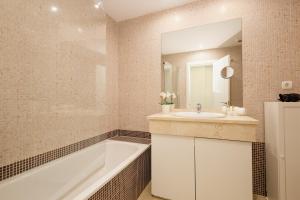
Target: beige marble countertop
(226, 120)
(237, 128)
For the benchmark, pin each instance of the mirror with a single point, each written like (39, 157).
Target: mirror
(203, 65)
(227, 72)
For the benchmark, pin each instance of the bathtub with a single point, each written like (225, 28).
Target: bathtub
(74, 177)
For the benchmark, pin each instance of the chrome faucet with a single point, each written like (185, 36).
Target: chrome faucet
(199, 107)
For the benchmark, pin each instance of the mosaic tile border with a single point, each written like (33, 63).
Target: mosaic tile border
(129, 183)
(139, 134)
(132, 139)
(259, 168)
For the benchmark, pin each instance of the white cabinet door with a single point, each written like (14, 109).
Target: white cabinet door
(173, 171)
(223, 170)
(292, 159)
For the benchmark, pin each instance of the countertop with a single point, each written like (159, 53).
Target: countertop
(225, 120)
(236, 128)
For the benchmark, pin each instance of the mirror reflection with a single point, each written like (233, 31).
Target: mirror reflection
(204, 65)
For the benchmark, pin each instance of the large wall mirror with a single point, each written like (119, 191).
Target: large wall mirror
(204, 65)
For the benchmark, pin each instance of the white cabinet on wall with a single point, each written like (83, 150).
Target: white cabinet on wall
(282, 124)
(189, 168)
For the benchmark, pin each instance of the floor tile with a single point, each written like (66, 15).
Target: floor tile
(146, 194)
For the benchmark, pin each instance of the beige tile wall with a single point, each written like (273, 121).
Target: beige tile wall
(56, 76)
(271, 53)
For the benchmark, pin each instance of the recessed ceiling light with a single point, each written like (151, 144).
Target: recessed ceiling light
(54, 9)
(99, 4)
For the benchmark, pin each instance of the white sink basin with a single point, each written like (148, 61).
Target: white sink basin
(201, 115)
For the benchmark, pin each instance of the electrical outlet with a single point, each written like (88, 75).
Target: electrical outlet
(287, 85)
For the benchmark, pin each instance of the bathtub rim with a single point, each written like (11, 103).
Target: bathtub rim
(92, 189)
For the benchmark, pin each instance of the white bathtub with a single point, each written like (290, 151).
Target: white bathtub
(74, 177)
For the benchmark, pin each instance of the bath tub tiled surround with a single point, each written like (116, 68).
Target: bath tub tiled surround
(35, 161)
(128, 184)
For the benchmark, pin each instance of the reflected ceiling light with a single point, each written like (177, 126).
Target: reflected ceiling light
(177, 18)
(54, 9)
(223, 9)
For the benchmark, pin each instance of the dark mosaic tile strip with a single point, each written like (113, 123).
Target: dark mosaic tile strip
(132, 139)
(259, 168)
(129, 183)
(139, 134)
(35, 161)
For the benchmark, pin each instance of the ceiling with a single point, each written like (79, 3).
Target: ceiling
(121, 10)
(210, 36)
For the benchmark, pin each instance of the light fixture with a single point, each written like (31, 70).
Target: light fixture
(54, 9)
(99, 4)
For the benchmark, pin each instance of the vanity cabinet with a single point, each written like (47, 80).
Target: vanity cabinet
(202, 158)
(223, 169)
(189, 168)
(173, 172)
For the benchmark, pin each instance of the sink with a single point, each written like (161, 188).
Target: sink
(199, 115)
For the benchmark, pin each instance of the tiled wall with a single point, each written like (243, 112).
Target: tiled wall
(271, 53)
(57, 60)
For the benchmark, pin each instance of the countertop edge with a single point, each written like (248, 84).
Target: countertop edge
(226, 120)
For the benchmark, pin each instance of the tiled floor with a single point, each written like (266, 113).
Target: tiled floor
(146, 195)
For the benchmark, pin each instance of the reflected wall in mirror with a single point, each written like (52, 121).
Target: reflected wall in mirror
(204, 65)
